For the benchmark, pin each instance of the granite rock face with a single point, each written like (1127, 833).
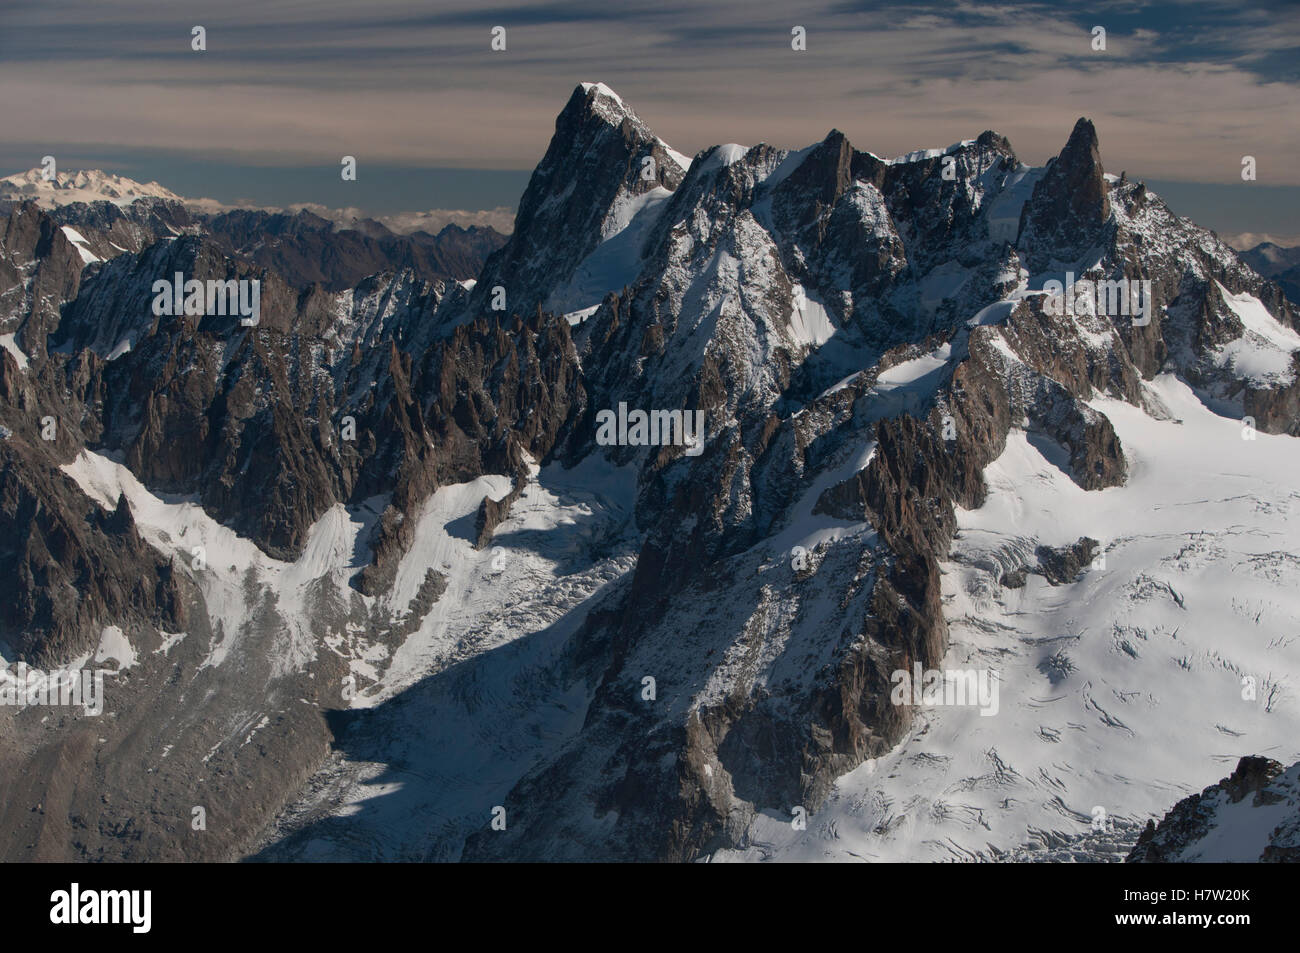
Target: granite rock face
(601, 161)
(1069, 210)
(1251, 816)
(40, 269)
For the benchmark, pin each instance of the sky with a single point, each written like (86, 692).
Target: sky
(437, 119)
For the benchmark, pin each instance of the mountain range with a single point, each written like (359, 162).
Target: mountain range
(372, 589)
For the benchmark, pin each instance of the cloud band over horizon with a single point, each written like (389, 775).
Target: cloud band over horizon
(1181, 93)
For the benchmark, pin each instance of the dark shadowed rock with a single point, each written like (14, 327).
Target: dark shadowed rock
(1070, 206)
(1253, 815)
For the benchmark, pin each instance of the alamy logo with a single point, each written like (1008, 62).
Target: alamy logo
(1112, 298)
(76, 906)
(975, 687)
(205, 298)
(657, 428)
(31, 686)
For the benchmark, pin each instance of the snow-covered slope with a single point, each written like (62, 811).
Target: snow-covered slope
(1123, 690)
(476, 694)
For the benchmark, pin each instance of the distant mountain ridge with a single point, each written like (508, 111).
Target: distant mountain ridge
(1279, 262)
(87, 185)
(116, 213)
(109, 215)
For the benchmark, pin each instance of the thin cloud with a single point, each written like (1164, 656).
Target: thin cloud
(1181, 92)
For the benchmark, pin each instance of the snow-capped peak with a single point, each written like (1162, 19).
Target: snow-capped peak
(607, 104)
(603, 90)
(87, 185)
(920, 155)
(729, 153)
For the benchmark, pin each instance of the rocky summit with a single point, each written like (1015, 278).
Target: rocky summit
(366, 585)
